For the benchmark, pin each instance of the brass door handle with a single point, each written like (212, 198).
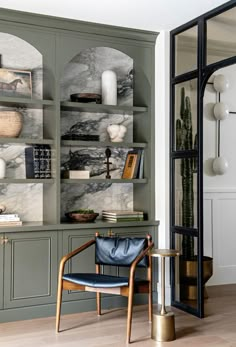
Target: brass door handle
(4, 240)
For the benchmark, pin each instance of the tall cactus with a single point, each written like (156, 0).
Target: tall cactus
(184, 141)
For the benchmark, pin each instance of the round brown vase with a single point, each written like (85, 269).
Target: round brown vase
(188, 277)
(11, 123)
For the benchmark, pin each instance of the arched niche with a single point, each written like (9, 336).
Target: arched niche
(83, 73)
(17, 54)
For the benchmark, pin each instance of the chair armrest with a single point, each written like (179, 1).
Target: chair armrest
(138, 259)
(72, 254)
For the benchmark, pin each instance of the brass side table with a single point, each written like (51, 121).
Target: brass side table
(163, 323)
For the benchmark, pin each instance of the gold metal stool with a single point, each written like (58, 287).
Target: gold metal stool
(163, 323)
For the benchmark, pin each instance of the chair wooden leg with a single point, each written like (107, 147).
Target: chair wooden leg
(99, 304)
(58, 312)
(129, 316)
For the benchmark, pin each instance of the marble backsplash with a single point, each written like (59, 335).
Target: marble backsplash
(96, 196)
(24, 199)
(83, 73)
(93, 159)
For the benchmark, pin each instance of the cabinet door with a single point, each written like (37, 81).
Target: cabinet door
(83, 262)
(30, 269)
(1, 273)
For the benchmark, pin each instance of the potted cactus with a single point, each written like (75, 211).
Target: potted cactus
(188, 260)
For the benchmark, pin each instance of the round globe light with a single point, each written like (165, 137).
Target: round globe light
(220, 166)
(220, 83)
(221, 111)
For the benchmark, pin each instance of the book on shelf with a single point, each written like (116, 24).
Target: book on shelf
(132, 168)
(10, 223)
(141, 166)
(38, 161)
(120, 213)
(76, 174)
(9, 217)
(125, 219)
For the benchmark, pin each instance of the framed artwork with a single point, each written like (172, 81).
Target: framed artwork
(17, 83)
(130, 165)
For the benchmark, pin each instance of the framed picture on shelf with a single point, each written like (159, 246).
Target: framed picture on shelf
(17, 83)
(131, 164)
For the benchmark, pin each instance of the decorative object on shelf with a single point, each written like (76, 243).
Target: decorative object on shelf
(2, 168)
(86, 97)
(115, 216)
(15, 83)
(107, 162)
(221, 111)
(11, 123)
(109, 88)
(80, 137)
(220, 83)
(116, 132)
(82, 216)
(76, 174)
(132, 164)
(2, 208)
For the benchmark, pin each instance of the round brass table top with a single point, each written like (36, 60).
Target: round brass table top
(164, 252)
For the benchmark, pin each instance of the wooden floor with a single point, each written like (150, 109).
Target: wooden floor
(218, 329)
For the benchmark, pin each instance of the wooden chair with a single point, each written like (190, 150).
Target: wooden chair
(113, 251)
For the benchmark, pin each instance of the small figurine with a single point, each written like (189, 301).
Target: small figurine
(108, 163)
(116, 132)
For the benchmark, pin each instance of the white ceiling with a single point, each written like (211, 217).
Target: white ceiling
(153, 15)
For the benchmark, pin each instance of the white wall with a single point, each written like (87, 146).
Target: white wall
(220, 190)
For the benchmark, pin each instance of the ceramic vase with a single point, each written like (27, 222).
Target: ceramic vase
(11, 123)
(109, 88)
(2, 168)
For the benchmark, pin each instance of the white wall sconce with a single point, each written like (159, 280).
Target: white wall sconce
(220, 83)
(221, 111)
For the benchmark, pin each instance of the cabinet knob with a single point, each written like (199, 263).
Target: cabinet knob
(4, 240)
(110, 233)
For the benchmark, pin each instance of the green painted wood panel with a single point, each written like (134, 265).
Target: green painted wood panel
(30, 269)
(1, 272)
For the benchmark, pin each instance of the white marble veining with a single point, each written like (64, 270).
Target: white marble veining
(83, 73)
(93, 159)
(24, 199)
(97, 196)
(95, 124)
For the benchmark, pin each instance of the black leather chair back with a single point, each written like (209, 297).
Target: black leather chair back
(119, 251)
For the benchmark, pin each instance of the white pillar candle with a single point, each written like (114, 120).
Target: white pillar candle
(2, 168)
(109, 88)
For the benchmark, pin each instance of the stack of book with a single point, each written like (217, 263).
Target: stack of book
(38, 161)
(10, 219)
(122, 216)
(134, 164)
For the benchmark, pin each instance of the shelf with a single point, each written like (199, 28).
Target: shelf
(24, 102)
(43, 226)
(104, 180)
(26, 140)
(26, 180)
(102, 144)
(98, 108)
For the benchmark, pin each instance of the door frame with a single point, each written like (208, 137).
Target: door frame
(202, 73)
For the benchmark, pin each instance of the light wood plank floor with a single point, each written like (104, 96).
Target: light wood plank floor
(218, 329)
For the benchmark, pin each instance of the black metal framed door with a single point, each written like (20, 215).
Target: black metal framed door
(189, 71)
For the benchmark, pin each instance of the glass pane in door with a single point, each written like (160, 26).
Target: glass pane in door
(221, 33)
(186, 192)
(186, 51)
(185, 117)
(186, 271)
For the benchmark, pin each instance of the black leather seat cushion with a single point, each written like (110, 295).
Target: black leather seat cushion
(98, 280)
(118, 251)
